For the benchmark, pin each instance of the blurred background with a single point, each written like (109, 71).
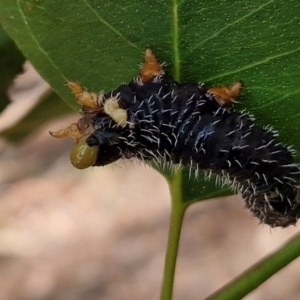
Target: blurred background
(101, 233)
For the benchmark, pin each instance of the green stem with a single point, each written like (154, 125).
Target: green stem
(176, 218)
(259, 273)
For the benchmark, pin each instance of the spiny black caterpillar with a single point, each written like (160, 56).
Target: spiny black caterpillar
(154, 117)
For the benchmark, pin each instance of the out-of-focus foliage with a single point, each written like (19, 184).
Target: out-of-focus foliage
(11, 62)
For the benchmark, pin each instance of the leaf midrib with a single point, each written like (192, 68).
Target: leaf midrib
(176, 74)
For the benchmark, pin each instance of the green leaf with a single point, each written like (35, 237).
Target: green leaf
(49, 107)
(11, 64)
(100, 43)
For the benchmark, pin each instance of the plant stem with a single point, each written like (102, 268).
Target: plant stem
(176, 218)
(259, 273)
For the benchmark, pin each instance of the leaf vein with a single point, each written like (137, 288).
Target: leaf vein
(230, 24)
(23, 16)
(118, 33)
(176, 74)
(263, 61)
(277, 100)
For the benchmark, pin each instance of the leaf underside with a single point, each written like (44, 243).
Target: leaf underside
(101, 43)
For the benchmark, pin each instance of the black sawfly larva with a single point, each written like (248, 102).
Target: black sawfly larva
(155, 118)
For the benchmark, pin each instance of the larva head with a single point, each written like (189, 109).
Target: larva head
(82, 155)
(109, 149)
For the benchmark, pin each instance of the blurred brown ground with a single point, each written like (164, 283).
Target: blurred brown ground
(101, 233)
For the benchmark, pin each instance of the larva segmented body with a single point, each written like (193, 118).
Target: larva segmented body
(186, 124)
